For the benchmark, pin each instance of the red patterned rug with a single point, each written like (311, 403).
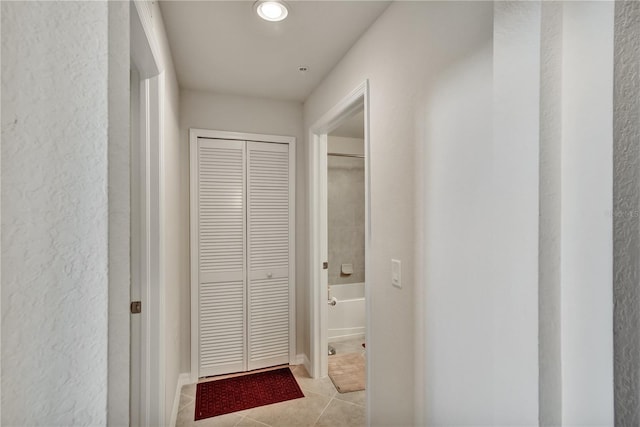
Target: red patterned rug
(247, 391)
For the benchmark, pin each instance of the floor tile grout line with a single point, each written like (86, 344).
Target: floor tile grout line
(350, 403)
(306, 390)
(254, 420)
(191, 400)
(325, 408)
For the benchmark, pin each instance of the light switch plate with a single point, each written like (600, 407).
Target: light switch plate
(396, 273)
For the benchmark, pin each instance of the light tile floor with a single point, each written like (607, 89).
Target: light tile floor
(322, 406)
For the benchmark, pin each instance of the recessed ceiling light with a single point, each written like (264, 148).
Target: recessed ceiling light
(271, 10)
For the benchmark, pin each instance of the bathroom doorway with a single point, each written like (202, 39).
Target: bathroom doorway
(346, 318)
(352, 109)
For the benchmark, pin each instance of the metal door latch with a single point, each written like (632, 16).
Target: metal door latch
(325, 265)
(136, 307)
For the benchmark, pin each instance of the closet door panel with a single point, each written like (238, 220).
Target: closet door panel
(222, 255)
(268, 199)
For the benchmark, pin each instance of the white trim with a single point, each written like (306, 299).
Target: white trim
(194, 134)
(154, 62)
(154, 314)
(145, 333)
(323, 234)
(239, 136)
(299, 359)
(307, 363)
(354, 101)
(1, 257)
(292, 250)
(302, 359)
(183, 380)
(193, 250)
(161, 326)
(146, 59)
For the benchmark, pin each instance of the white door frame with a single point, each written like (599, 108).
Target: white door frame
(353, 102)
(194, 134)
(148, 404)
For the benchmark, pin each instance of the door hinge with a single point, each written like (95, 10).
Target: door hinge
(136, 307)
(325, 265)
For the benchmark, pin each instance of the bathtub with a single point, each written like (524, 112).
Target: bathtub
(347, 317)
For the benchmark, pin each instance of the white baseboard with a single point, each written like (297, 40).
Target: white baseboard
(302, 359)
(183, 379)
(299, 360)
(307, 364)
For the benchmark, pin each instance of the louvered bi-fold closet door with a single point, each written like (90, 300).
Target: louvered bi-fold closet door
(222, 254)
(268, 236)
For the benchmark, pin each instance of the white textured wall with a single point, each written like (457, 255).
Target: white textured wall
(205, 110)
(626, 209)
(457, 298)
(119, 215)
(587, 140)
(504, 111)
(430, 70)
(549, 241)
(575, 239)
(54, 213)
(514, 210)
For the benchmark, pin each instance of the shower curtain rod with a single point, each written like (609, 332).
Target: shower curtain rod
(358, 156)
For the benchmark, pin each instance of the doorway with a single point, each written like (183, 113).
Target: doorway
(351, 106)
(346, 282)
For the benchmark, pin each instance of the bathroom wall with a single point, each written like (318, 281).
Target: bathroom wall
(345, 193)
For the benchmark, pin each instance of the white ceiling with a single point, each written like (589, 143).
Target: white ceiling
(224, 47)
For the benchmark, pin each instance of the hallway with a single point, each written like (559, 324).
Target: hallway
(503, 198)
